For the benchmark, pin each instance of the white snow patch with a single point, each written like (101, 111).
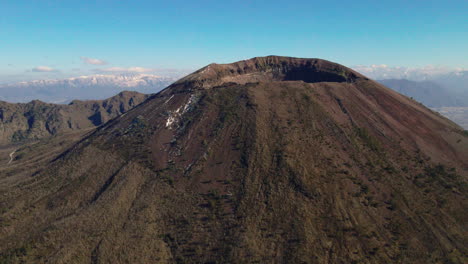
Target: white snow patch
(174, 115)
(170, 120)
(188, 105)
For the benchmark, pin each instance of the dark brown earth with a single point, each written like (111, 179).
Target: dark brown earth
(35, 120)
(270, 160)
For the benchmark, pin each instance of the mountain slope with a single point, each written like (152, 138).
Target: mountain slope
(268, 160)
(36, 119)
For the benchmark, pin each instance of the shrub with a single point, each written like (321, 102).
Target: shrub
(367, 139)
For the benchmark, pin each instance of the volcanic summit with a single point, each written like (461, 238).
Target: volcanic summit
(267, 160)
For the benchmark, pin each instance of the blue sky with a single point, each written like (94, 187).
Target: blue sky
(56, 37)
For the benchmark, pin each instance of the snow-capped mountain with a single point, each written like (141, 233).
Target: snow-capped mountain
(83, 87)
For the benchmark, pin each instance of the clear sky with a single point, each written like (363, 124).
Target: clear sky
(46, 38)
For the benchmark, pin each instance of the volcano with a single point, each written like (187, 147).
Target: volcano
(267, 160)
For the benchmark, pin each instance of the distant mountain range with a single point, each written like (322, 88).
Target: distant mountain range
(430, 93)
(454, 81)
(82, 88)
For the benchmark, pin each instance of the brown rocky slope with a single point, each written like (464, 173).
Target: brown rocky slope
(269, 160)
(36, 119)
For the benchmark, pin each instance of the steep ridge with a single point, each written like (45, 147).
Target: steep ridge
(268, 160)
(35, 120)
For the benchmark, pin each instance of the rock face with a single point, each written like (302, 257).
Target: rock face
(35, 120)
(269, 160)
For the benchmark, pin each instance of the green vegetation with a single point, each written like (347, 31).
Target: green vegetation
(367, 139)
(15, 255)
(445, 177)
(228, 104)
(306, 98)
(168, 178)
(138, 126)
(19, 135)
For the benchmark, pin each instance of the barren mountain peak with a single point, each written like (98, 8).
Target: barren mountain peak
(268, 160)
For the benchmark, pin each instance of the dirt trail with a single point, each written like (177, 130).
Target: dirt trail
(11, 156)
